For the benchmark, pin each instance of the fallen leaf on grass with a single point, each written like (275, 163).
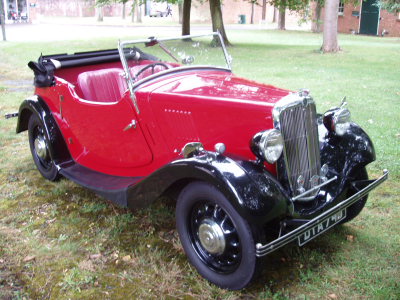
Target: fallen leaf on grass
(332, 296)
(29, 258)
(349, 238)
(397, 134)
(284, 260)
(1, 261)
(95, 256)
(126, 258)
(2, 228)
(50, 221)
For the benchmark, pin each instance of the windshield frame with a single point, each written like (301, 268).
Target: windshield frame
(128, 77)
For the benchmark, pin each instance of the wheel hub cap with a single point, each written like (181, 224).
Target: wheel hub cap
(40, 147)
(211, 237)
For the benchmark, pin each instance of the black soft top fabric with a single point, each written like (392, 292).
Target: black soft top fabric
(44, 68)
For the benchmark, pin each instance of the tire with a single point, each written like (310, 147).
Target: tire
(38, 142)
(218, 242)
(355, 209)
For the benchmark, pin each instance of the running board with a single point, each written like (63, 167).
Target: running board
(113, 188)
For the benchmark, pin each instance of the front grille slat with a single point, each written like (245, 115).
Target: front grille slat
(301, 146)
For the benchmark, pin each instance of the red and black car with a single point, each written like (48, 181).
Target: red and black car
(167, 117)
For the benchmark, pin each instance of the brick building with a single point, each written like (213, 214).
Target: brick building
(231, 10)
(200, 12)
(366, 18)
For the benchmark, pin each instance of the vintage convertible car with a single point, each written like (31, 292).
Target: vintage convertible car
(253, 166)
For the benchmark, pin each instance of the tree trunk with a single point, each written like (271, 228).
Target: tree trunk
(133, 11)
(123, 10)
(3, 26)
(264, 10)
(186, 17)
(252, 13)
(317, 20)
(275, 17)
(330, 41)
(281, 20)
(180, 11)
(99, 12)
(217, 23)
(139, 13)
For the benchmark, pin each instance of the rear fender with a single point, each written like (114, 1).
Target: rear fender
(57, 147)
(252, 191)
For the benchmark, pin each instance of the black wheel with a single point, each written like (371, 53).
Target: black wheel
(219, 243)
(39, 148)
(149, 66)
(354, 210)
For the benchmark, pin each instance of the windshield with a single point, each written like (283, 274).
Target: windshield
(145, 59)
(166, 54)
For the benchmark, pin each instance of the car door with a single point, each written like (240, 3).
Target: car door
(102, 136)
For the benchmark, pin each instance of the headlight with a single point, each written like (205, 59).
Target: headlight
(267, 145)
(341, 121)
(337, 120)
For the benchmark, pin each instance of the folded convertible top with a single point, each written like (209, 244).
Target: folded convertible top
(44, 68)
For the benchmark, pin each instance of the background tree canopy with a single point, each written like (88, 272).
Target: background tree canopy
(392, 6)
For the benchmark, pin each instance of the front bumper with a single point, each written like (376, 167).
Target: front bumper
(262, 250)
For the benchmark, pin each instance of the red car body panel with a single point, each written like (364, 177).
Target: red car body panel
(174, 110)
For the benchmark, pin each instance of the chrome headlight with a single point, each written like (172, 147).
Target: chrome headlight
(337, 120)
(341, 121)
(267, 145)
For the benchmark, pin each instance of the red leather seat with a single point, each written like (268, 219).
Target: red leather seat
(147, 72)
(102, 85)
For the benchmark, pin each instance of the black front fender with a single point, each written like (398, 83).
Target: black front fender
(346, 155)
(57, 147)
(252, 191)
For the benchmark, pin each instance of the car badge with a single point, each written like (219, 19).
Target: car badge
(314, 181)
(300, 184)
(323, 172)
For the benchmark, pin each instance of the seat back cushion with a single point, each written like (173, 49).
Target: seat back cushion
(102, 85)
(134, 70)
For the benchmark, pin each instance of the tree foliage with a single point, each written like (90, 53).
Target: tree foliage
(392, 6)
(293, 5)
(299, 6)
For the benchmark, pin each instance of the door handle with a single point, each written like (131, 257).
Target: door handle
(132, 124)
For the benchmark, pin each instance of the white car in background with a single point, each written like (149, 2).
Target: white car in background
(159, 9)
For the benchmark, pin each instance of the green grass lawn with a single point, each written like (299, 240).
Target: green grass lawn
(59, 241)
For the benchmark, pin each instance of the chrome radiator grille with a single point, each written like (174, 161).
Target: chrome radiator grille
(301, 146)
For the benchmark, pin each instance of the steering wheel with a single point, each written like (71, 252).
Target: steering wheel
(149, 66)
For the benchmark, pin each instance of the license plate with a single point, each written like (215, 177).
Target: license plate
(321, 227)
